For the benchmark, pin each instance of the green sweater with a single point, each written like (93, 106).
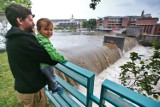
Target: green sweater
(50, 49)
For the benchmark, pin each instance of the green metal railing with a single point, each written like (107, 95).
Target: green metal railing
(111, 92)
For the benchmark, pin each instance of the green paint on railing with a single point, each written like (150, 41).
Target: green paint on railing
(111, 92)
(123, 97)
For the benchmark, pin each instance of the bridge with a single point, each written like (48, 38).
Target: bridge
(111, 92)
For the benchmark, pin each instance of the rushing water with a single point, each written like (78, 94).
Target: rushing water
(89, 51)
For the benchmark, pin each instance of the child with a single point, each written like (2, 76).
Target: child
(45, 31)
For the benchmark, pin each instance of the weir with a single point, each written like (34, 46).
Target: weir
(91, 52)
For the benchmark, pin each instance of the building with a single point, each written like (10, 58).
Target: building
(129, 21)
(148, 25)
(109, 21)
(118, 21)
(68, 23)
(145, 22)
(113, 21)
(157, 29)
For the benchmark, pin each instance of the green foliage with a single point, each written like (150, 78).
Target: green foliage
(91, 23)
(4, 3)
(94, 3)
(141, 75)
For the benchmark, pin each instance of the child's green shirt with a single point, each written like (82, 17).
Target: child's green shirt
(45, 42)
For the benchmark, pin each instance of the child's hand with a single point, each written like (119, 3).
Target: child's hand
(63, 61)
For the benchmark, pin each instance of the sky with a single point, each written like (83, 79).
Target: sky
(64, 9)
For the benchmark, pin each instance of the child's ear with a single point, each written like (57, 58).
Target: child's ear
(19, 20)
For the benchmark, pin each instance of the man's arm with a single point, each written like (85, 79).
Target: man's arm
(34, 50)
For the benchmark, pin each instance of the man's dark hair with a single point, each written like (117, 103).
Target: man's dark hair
(14, 11)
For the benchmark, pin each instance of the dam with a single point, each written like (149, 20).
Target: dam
(89, 51)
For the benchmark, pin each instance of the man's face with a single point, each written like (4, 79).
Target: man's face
(28, 24)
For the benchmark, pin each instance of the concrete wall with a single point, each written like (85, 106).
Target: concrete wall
(134, 31)
(150, 38)
(119, 41)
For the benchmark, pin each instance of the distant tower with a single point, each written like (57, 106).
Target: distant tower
(142, 14)
(72, 18)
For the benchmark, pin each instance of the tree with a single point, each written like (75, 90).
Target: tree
(94, 3)
(4, 3)
(141, 75)
(91, 23)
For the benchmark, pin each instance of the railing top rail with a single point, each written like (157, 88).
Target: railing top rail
(84, 72)
(130, 95)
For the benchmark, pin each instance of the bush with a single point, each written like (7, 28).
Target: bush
(141, 75)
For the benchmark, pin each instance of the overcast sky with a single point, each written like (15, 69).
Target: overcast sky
(63, 9)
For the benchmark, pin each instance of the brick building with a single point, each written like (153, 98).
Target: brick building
(148, 25)
(117, 21)
(145, 21)
(157, 29)
(112, 21)
(125, 22)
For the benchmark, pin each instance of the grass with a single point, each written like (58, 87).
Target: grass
(7, 93)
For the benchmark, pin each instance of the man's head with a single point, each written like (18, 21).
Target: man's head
(19, 16)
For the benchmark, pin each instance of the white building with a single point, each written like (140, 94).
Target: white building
(65, 23)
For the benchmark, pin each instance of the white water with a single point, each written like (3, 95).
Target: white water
(113, 71)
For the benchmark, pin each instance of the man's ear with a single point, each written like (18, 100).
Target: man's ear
(19, 20)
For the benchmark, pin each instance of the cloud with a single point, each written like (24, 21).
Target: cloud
(150, 3)
(126, 4)
(135, 7)
(62, 9)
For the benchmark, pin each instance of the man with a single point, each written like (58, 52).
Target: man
(25, 55)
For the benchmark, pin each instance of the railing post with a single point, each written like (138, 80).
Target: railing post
(90, 88)
(102, 101)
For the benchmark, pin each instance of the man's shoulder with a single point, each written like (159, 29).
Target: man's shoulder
(15, 32)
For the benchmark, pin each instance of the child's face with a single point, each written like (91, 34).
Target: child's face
(46, 31)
